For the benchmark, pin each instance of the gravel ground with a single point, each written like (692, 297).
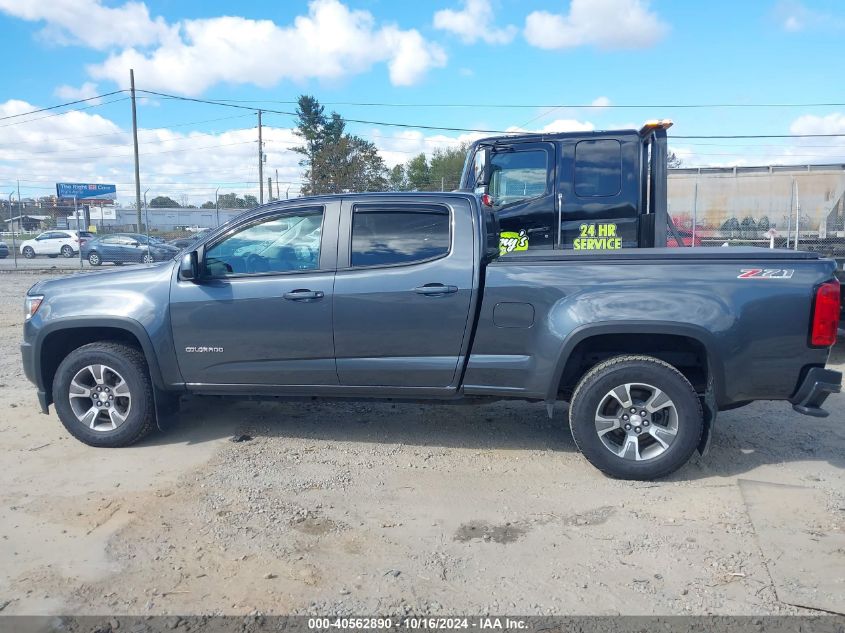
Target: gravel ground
(357, 508)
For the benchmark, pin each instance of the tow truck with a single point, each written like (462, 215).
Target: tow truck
(588, 191)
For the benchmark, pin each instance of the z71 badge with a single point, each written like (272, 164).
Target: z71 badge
(765, 273)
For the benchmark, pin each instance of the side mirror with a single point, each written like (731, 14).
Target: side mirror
(189, 267)
(483, 170)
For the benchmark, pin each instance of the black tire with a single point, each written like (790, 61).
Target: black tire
(94, 258)
(132, 366)
(29, 252)
(591, 392)
(147, 258)
(66, 251)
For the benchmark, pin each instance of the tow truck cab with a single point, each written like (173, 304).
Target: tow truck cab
(576, 190)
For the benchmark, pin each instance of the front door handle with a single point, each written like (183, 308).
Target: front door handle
(303, 294)
(435, 290)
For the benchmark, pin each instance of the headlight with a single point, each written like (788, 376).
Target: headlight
(31, 305)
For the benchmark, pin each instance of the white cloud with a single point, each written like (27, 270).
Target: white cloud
(794, 16)
(89, 23)
(558, 125)
(607, 24)
(475, 21)
(71, 93)
(331, 42)
(600, 103)
(812, 124)
(84, 147)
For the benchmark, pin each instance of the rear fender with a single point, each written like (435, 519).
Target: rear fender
(715, 368)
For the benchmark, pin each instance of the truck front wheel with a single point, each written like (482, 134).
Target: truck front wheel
(104, 396)
(635, 417)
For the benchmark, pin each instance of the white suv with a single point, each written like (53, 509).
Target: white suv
(54, 243)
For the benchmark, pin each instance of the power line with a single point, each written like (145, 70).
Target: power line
(727, 136)
(140, 131)
(50, 116)
(61, 105)
(168, 151)
(514, 106)
(475, 130)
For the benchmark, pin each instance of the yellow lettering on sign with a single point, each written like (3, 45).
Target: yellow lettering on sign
(597, 243)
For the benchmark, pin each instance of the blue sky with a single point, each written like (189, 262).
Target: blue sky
(485, 52)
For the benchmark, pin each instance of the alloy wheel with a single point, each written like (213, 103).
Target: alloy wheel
(636, 421)
(100, 397)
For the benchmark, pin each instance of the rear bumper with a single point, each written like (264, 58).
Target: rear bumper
(817, 386)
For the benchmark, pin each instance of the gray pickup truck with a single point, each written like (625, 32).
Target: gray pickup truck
(409, 297)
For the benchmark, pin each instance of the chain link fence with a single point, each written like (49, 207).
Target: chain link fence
(799, 207)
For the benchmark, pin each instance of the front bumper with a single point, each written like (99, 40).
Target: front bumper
(818, 384)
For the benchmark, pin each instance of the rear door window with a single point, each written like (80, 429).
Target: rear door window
(388, 235)
(598, 168)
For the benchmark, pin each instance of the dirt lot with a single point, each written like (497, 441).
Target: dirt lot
(359, 508)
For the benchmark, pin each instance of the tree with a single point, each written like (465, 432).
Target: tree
(250, 201)
(673, 161)
(230, 201)
(445, 167)
(333, 160)
(310, 125)
(397, 181)
(162, 202)
(208, 205)
(419, 173)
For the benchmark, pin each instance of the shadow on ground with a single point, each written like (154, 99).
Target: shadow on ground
(759, 434)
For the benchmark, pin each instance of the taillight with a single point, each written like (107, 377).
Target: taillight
(825, 315)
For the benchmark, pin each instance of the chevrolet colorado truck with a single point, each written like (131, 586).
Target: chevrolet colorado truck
(410, 297)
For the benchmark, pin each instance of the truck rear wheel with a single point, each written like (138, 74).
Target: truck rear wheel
(104, 396)
(636, 417)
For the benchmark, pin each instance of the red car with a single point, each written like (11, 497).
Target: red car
(684, 234)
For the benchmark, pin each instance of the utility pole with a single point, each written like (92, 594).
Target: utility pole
(135, 142)
(217, 204)
(278, 191)
(260, 163)
(78, 229)
(270, 189)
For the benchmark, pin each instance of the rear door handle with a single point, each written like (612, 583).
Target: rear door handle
(435, 289)
(303, 294)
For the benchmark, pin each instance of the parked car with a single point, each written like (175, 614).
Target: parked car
(183, 242)
(64, 242)
(392, 296)
(127, 247)
(4, 250)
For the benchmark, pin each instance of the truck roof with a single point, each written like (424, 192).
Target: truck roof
(553, 136)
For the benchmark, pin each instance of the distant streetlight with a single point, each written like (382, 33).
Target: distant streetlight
(12, 229)
(147, 218)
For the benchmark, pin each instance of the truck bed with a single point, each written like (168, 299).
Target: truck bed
(745, 254)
